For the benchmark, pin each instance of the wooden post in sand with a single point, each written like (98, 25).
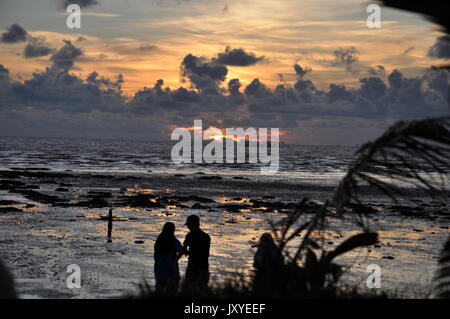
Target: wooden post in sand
(110, 219)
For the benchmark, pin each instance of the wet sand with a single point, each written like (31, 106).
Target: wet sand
(49, 220)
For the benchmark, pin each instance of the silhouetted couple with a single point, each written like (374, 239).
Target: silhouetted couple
(168, 250)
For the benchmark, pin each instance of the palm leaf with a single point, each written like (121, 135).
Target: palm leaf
(409, 151)
(436, 11)
(442, 279)
(356, 241)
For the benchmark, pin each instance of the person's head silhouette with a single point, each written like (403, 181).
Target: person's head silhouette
(169, 228)
(193, 222)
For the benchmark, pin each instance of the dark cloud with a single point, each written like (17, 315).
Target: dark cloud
(100, 81)
(63, 4)
(395, 79)
(438, 81)
(372, 88)
(56, 89)
(233, 86)
(304, 85)
(199, 66)
(159, 100)
(441, 48)
(256, 88)
(347, 57)
(301, 71)
(14, 34)
(237, 57)
(65, 57)
(5, 82)
(296, 105)
(379, 71)
(204, 75)
(36, 47)
(338, 92)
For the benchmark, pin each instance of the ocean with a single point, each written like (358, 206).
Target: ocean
(324, 164)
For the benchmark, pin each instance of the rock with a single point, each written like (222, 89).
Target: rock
(93, 203)
(39, 197)
(199, 206)
(141, 200)
(4, 210)
(408, 210)
(7, 184)
(234, 208)
(193, 198)
(99, 194)
(363, 209)
(8, 202)
(209, 178)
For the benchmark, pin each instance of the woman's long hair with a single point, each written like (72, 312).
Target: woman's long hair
(165, 240)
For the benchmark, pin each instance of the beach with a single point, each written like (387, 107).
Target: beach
(52, 217)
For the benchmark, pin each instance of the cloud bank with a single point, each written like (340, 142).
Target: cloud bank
(96, 105)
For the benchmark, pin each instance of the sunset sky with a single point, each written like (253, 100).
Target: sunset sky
(311, 68)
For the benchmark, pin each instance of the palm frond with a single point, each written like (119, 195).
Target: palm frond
(415, 152)
(436, 11)
(442, 279)
(356, 241)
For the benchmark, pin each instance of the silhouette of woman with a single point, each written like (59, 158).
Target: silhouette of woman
(268, 262)
(167, 252)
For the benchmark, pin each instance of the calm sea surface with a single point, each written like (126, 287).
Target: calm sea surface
(321, 163)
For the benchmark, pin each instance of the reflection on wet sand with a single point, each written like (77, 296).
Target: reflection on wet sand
(57, 228)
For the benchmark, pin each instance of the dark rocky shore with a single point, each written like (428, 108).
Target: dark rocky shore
(51, 219)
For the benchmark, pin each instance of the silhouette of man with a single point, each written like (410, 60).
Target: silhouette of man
(196, 246)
